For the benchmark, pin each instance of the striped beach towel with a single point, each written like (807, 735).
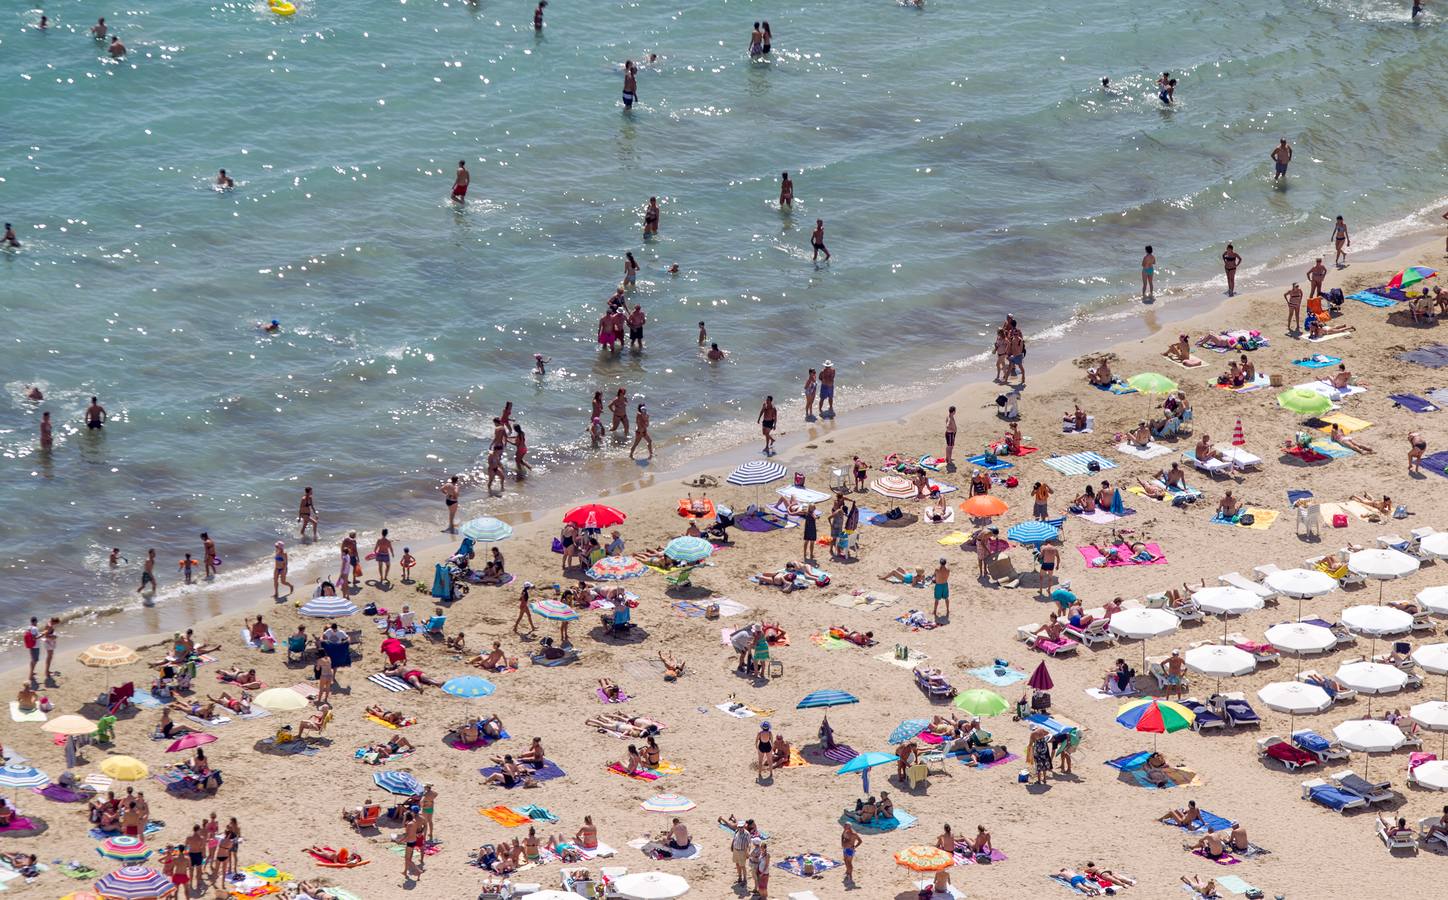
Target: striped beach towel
(395, 685)
(1076, 463)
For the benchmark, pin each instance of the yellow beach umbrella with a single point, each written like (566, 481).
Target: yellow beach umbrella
(279, 700)
(70, 724)
(124, 768)
(108, 656)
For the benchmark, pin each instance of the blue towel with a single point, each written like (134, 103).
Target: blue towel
(1413, 403)
(1205, 822)
(1128, 763)
(980, 463)
(1319, 362)
(1117, 507)
(1434, 356)
(1437, 463)
(1077, 463)
(1219, 519)
(1331, 797)
(1372, 299)
(989, 676)
(1311, 741)
(901, 820)
(1294, 496)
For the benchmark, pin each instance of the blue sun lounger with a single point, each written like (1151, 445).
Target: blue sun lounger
(1320, 792)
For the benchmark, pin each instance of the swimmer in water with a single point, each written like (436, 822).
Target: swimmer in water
(786, 191)
(704, 333)
(461, 182)
(95, 415)
(10, 240)
(34, 393)
(98, 30)
(630, 84)
(224, 181)
(45, 23)
(674, 269)
(714, 354)
(1417, 10)
(272, 327)
(116, 49)
(539, 362)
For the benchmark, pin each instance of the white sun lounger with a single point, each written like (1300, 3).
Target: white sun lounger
(1212, 467)
(1408, 841)
(1238, 580)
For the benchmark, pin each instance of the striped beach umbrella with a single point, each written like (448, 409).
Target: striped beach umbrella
(486, 530)
(907, 730)
(400, 783)
(328, 607)
(1238, 439)
(826, 699)
(594, 516)
(468, 686)
(668, 803)
(895, 487)
(133, 883)
(18, 775)
(688, 549)
(1410, 276)
(556, 610)
(1154, 716)
(924, 859)
(124, 847)
(616, 568)
(1034, 532)
(756, 471)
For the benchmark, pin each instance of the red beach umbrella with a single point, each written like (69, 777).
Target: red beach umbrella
(1041, 679)
(190, 741)
(1238, 440)
(594, 515)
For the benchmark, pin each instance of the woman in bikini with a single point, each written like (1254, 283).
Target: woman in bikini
(1416, 448)
(279, 570)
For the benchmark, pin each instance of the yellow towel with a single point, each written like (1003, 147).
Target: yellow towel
(1347, 423)
(954, 539)
(383, 722)
(1262, 519)
(667, 768)
(795, 760)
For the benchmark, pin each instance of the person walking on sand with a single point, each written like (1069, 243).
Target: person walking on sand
(817, 240)
(307, 514)
(811, 387)
(827, 389)
(1281, 156)
(1230, 261)
(450, 492)
(786, 192)
(942, 589)
(382, 553)
(1340, 239)
(523, 610)
(766, 419)
(950, 438)
(1315, 275)
(641, 432)
(460, 182)
(1293, 296)
(618, 407)
(1148, 274)
(209, 559)
(280, 559)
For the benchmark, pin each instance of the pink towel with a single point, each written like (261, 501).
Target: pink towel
(928, 738)
(617, 769)
(1091, 554)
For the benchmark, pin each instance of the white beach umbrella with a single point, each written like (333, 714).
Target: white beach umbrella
(1435, 544)
(551, 894)
(1434, 599)
(1433, 658)
(1369, 735)
(650, 886)
(1226, 600)
(1220, 661)
(1300, 637)
(1382, 565)
(1376, 620)
(1294, 697)
(1432, 775)
(1301, 583)
(1432, 715)
(1142, 623)
(1372, 678)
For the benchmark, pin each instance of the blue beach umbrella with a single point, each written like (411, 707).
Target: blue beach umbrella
(688, 549)
(400, 783)
(486, 530)
(1035, 532)
(863, 764)
(826, 699)
(468, 686)
(907, 730)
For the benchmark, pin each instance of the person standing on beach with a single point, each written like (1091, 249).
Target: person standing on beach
(641, 432)
(1281, 156)
(413, 837)
(450, 492)
(618, 406)
(382, 553)
(827, 389)
(767, 418)
(1148, 274)
(1314, 279)
(280, 561)
(817, 240)
(32, 644)
(46, 439)
(1016, 350)
(428, 805)
(95, 415)
(1340, 237)
(1230, 261)
(651, 218)
(950, 438)
(460, 182)
(47, 640)
(209, 559)
(495, 468)
(850, 841)
(307, 514)
(1294, 307)
(811, 387)
(811, 533)
(523, 610)
(538, 15)
(631, 94)
(942, 589)
(350, 564)
(786, 192)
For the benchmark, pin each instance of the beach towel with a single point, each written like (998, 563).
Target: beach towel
(954, 539)
(898, 822)
(1333, 393)
(35, 715)
(1330, 337)
(1130, 762)
(972, 762)
(1437, 463)
(604, 698)
(828, 642)
(216, 722)
(917, 621)
(1151, 451)
(963, 856)
(1434, 356)
(1226, 859)
(641, 775)
(1065, 884)
(1317, 361)
(1116, 388)
(62, 794)
(1023, 451)
(989, 675)
(1203, 823)
(737, 710)
(979, 461)
(661, 850)
(840, 753)
(1413, 403)
(1257, 384)
(386, 724)
(536, 813)
(146, 700)
(794, 865)
(1102, 517)
(756, 524)
(482, 741)
(152, 827)
(395, 685)
(1124, 558)
(1372, 299)
(1348, 424)
(1077, 463)
(866, 601)
(546, 772)
(1070, 427)
(505, 817)
(913, 658)
(1306, 454)
(1331, 449)
(796, 760)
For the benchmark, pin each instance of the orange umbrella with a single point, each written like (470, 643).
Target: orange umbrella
(984, 506)
(924, 859)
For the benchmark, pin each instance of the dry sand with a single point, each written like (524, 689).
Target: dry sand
(287, 803)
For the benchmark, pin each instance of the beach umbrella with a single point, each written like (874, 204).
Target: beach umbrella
(468, 686)
(1154, 717)
(755, 472)
(546, 894)
(1410, 276)
(1435, 544)
(1434, 599)
(324, 607)
(556, 610)
(1300, 583)
(125, 847)
(896, 487)
(70, 725)
(1432, 715)
(1381, 565)
(1034, 532)
(1432, 657)
(1151, 383)
(924, 859)
(1372, 677)
(1220, 661)
(486, 530)
(1432, 774)
(191, 741)
(1294, 697)
(984, 506)
(616, 568)
(16, 776)
(279, 700)
(864, 763)
(133, 883)
(981, 702)
(826, 699)
(688, 549)
(1141, 623)
(668, 803)
(594, 516)
(650, 886)
(91, 895)
(1369, 735)
(1041, 678)
(1301, 637)
(1226, 601)
(107, 656)
(1376, 620)
(1238, 438)
(400, 783)
(125, 768)
(907, 730)
(1303, 401)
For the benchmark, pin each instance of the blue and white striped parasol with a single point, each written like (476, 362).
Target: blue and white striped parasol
(398, 783)
(486, 530)
(688, 549)
(328, 607)
(826, 699)
(18, 775)
(758, 471)
(1033, 533)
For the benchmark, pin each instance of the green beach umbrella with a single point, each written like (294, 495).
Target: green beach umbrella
(1151, 383)
(981, 702)
(1304, 402)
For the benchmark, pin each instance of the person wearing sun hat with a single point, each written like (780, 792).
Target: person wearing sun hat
(764, 746)
(827, 388)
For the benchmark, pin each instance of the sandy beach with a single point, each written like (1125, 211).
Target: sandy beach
(287, 802)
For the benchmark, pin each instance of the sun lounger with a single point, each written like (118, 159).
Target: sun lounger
(1205, 717)
(1064, 647)
(933, 683)
(1291, 757)
(1353, 783)
(1212, 467)
(1399, 841)
(1187, 612)
(1319, 746)
(1097, 631)
(1240, 581)
(1426, 833)
(1320, 792)
(1311, 676)
(1263, 653)
(1235, 709)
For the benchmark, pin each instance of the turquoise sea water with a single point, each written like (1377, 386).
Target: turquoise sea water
(964, 157)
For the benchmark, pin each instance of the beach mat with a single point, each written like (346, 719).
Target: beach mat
(1077, 463)
(794, 865)
(898, 822)
(1413, 403)
(1433, 356)
(989, 676)
(395, 685)
(1372, 299)
(869, 600)
(1437, 463)
(547, 772)
(1151, 451)
(1317, 361)
(34, 715)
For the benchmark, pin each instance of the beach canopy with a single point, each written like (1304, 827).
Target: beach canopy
(756, 471)
(1435, 544)
(107, 656)
(1226, 600)
(1410, 276)
(688, 549)
(1034, 532)
(1432, 715)
(1432, 774)
(616, 568)
(1294, 697)
(191, 741)
(981, 702)
(556, 610)
(1041, 677)
(668, 803)
(921, 858)
(1301, 637)
(1142, 623)
(907, 730)
(866, 761)
(325, 607)
(650, 886)
(279, 700)
(1151, 383)
(486, 530)
(594, 516)
(17, 776)
(124, 847)
(1301, 583)
(133, 883)
(1383, 565)
(1433, 658)
(826, 699)
(1303, 401)
(1434, 599)
(1220, 661)
(1154, 716)
(896, 487)
(984, 506)
(69, 724)
(1376, 620)
(468, 686)
(1371, 677)
(400, 783)
(125, 768)
(1369, 735)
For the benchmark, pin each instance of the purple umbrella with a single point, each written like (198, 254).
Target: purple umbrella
(1041, 679)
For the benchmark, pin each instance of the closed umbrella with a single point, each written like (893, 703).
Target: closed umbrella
(668, 803)
(133, 883)
(556, 610)
(279, 700)
(1141, 624)
(594, 516)
(1381, 565)
(125, 768)
(616, 568)
(1432, 774)
(107, 656)
(1041, 678)
(688, 549)
(190, 741)
(981, 702)
(650, 886)
(324, 607)
(486, 530)
(1304, 402)
(984, 506)
(125, 847)
(70, 725)
(1435, 545)
(895, 487)
(1434, 599)
(472, 686)
(864, 763)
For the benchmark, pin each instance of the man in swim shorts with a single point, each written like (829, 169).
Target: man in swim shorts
(95, 415)
(817, 240)
(1281, 156)
(630, 84)
(461, 182)
(942, 588)
(827, 387)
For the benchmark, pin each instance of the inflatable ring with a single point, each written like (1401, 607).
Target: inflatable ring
(282, 7)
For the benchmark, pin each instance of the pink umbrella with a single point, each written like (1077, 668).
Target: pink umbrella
(1041, 679)
(190, 741)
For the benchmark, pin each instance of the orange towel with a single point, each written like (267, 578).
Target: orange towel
(505, 816)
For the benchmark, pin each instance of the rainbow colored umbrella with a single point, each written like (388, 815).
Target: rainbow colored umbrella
(556, 610)
(924, 859)
(124, 847)
(1155, 716)
(1411, 275)
(133, 883)
(616, 568)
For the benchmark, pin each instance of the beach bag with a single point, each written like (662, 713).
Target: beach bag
(1246, 519)
(895, 513)
(557, 545)
(1093, 466)
(1339, 520)
(711, 611)
(1013, 481)
(799, 479)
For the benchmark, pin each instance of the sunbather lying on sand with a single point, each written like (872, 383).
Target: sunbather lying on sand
(625, 726)
(863, 639)
(1153, 490)
(1328, 683)
(206, 711)
(413, 677)
(240, 705)
(1384, 506)
(236, 676)
(511, 775)
(673, 666)
(396, 717)
(394, 746)
(1338, 436)
(1206, 888)
(1316, 329)
(1080, 882)
(1091, 870)
(611, 692)
(937, 511)
(901, 575)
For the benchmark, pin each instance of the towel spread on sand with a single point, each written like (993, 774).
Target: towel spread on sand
(1079, 463)
(505, 816)
(1151, 451)
(1413, 403)
(866, 601)
(1348, 424)
(1123, 557)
